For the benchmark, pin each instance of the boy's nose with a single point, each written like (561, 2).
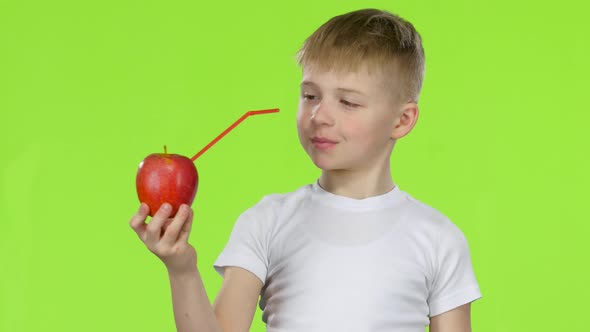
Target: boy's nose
(321, 115)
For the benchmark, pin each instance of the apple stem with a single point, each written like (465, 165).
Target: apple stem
(247, 114)
(165, 150)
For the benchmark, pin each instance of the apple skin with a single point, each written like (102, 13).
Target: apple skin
(166, 178)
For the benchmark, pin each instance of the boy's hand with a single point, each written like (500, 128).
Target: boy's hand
(167, 237)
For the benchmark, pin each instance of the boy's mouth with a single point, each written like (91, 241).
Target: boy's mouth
(322, 143)
(318, 139)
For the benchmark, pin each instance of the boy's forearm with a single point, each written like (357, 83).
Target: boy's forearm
(192, 309)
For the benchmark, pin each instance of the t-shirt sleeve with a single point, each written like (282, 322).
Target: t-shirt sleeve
(247, 245)
(453, 283)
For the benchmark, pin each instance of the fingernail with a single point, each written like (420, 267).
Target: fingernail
(165, 206)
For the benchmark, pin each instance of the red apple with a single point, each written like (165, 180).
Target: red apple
(163, 177)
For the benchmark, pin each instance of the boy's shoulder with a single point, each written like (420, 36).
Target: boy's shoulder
(415, 219)
(272, 207)
(275, 202)
(430, 223)
(419, 215)
(423, 211)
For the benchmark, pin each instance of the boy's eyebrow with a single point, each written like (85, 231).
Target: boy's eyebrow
(304, 83)
(351, 90)
(309, 83)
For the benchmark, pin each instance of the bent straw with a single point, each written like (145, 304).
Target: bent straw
(247, 114)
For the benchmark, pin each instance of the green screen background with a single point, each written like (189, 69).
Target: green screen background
(88, 89)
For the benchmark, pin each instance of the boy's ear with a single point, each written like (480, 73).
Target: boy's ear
(405, 120)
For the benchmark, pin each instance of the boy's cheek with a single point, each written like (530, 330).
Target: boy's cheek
(302, 128)
(354, 129)
(300, 113)
(300, 124)
(303, 119)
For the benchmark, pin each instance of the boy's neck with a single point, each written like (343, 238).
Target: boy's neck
(357, 184)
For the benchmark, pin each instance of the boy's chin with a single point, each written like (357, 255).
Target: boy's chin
(328, 165)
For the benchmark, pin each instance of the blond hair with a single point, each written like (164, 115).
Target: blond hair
(381, 40)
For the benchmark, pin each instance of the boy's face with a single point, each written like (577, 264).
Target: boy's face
(346, 121)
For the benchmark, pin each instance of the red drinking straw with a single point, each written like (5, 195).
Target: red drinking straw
(247, 114)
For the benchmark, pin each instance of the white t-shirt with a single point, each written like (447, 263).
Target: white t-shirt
(334, 263)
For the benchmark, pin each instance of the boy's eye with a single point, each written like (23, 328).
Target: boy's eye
(308, 96)
(349, 104)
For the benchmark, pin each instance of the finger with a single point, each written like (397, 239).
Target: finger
(186, 229)
(165, 226)
(137, 222)
(176, 225)
(154, 228)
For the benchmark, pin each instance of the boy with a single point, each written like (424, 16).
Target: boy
(350, 252)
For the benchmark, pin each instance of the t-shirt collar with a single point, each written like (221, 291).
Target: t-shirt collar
(383, 201)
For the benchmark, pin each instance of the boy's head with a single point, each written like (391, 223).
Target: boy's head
(362, 75)
(380, 41)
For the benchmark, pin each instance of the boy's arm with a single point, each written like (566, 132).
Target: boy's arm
(234, 306)
(456, 320)
(192, 309)
(236, 301)
(167, 238)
